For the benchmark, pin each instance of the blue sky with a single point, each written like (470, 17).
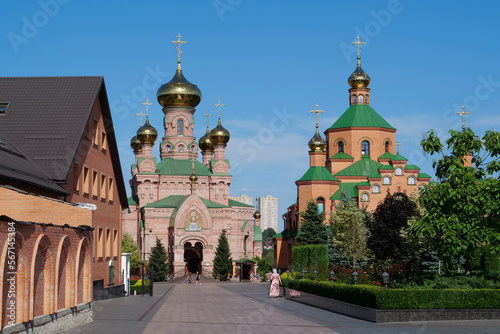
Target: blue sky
(270, 63)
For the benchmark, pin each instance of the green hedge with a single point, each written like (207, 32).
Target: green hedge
(376, 297)
(309, 256)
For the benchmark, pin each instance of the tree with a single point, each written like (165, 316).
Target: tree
(313, 231)
(463, 208)
(268, 234)
(158, 260)
(130, 246)
(390, 221)
(223, 260)
(349, 231)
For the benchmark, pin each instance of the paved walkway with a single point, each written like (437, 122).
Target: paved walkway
(241, 308)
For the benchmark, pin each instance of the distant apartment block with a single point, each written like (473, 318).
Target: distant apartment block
(268, 208)
(243, 199)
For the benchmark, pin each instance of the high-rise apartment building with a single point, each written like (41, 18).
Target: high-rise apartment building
(268, 208)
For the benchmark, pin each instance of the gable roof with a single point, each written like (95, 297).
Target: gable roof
(170, 166)
(174, 201)
(363, 167)
(349, 187)
(342, 155)
(47, 118)
(317, 173)
(361, 115)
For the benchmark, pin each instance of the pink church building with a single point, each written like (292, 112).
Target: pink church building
(183, 202)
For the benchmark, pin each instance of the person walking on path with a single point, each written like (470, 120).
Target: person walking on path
(274, 290)
(189, 278)
(198, 278)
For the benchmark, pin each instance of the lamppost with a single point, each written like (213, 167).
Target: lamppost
(332, 274)
(287, 273)
(315, 274)
(303, 273)
(355, 277)
(385, 279)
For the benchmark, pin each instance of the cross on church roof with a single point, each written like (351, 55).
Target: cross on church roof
(140, 114)
(207, 115)
(358, 44)
(317, 112)
(397, 146)
(219, 105)
(147, 104)
(179, 42)
(462, 114)
(192, 163)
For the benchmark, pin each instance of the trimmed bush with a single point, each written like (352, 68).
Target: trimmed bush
(310, 257)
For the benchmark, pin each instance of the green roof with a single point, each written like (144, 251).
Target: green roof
(423, 176)
(211, 204)
(364, 184)
(349, 187)
(244, 259)
(399, 157)
(133, 200)
(317, 173)
(363, 167)
(169, 166)
(375, 175)
(244, 225)
(342, 155)
(386, 155)
(141, 223)
(361, 115)
(386, 167)
(257, 233)
(173, 201)
(412, 167)
(232, 202)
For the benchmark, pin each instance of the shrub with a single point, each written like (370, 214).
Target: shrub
(309, 257)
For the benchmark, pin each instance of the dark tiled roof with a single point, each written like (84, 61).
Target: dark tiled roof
(47, 117)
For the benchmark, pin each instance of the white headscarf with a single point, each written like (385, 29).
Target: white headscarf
(274, 271)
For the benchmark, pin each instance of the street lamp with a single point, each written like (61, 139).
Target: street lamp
(315, 274)
(385, 278)
(332, 274)
(303, 273)
(355, 277)
(287, 273)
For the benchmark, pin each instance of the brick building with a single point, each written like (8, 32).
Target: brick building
(61, 133)
(360, 156)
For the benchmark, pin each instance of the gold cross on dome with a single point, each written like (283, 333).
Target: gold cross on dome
(219, 105)
(179, 42)
(317, 112)
(140, 114)
(358, 44)
(147, 104)
(192, 163)
(397, 146)
(207, 115)
(463, 113)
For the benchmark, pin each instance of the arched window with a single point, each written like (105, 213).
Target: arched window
(341, 146)
(180, 127)
(422, 186)
(387, 146)
(321, 204)
(181, 149)
(366, 98)
(411, 180)
(399, 171)
(169, 149)
(354, 99)
(365, 148)
(387, 180)
(375, 189)
(192, 149)
(360, 99)
(364, 197)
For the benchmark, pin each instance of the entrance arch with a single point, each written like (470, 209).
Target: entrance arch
(193, 256)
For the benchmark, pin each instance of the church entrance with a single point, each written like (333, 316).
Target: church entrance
(193, 257)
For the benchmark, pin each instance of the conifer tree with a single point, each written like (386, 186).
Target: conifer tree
(159, 261)
(130, 246)
(312, 227)
(350, 233)
(223, 260)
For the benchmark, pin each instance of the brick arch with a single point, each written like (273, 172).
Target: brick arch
(64, 273)
(41, 278)
(83, 290)
(193, 239)
(365, 138)
(20, 280)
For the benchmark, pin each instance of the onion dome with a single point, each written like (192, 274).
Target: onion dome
(135, 144)
(219, 135)
(147, 133)
(359, 79)
(179, 92)
(317, 143)
(205, 144)
(256, 215)
(193, 178)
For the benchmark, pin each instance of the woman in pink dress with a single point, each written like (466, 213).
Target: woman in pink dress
(274, 290)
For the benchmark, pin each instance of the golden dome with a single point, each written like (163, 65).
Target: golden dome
(178, 92)
(359, 79)
(317, 143)
(193, 178)
(219, 135)
(147, 133)
(205, 144)
(135, 144)
(256, 215)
